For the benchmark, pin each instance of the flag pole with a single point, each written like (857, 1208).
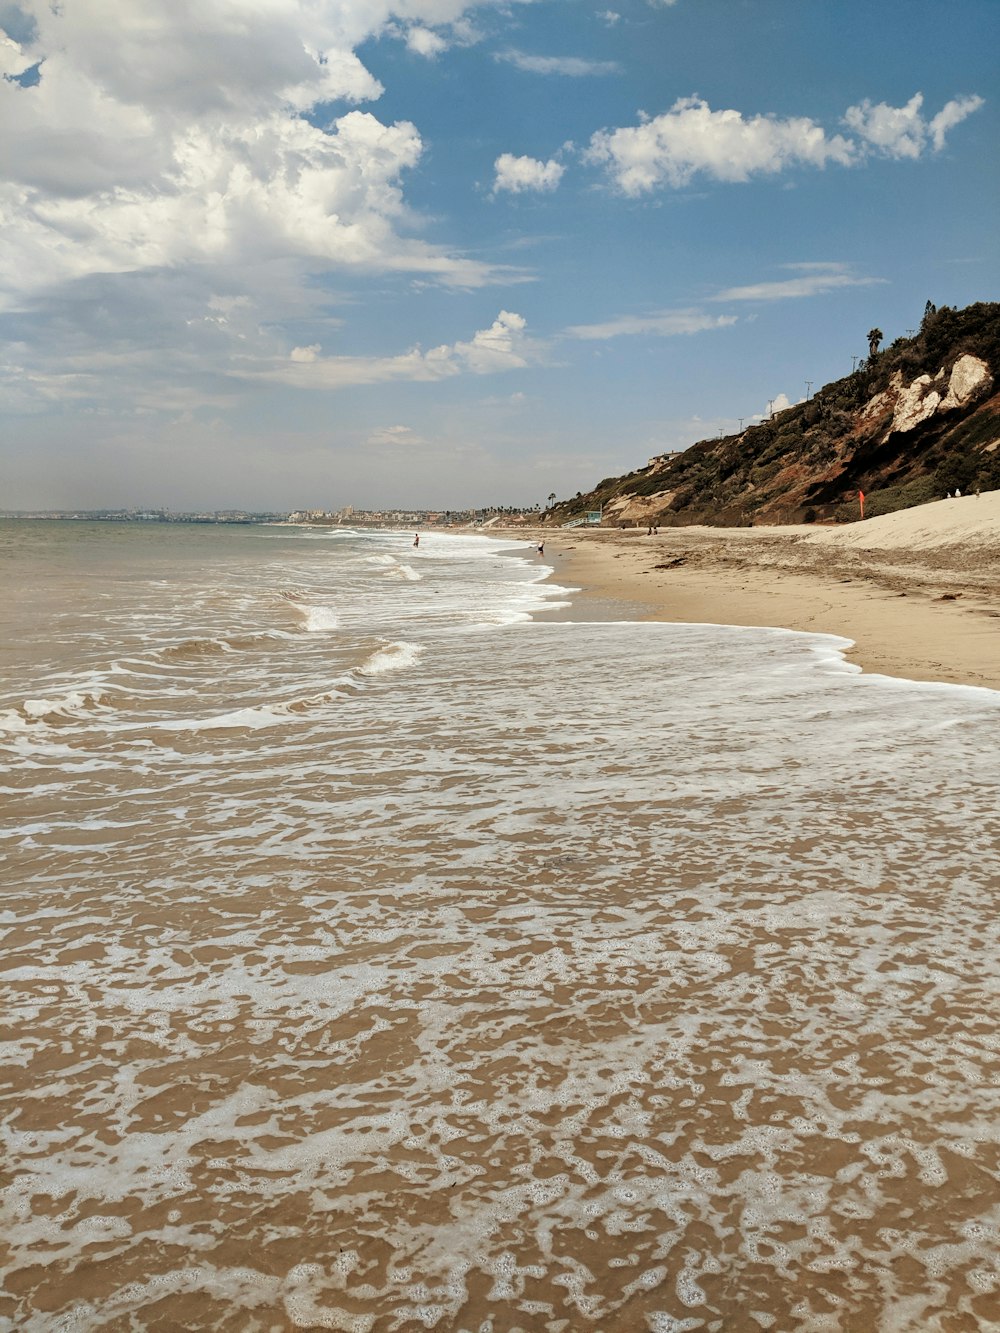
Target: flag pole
(861, 502)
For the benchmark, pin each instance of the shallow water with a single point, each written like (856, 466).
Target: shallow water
(381, 959)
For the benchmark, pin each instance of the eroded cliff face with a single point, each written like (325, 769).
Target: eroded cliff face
(908, 426)
(909, 405)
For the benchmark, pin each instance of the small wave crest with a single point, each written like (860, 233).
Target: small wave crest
(67, 707)
(320, 619)
(391, 657)
(315, 619)
(199, 650)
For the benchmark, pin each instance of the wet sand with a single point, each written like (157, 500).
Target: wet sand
(918, 592)
(528, 981)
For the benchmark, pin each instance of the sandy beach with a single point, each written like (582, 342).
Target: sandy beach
(917, 591)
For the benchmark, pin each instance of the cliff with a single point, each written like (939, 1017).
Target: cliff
(911, 424)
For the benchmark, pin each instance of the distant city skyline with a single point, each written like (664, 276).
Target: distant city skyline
(415, 255)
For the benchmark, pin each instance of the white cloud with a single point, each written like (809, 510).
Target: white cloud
(811, 280)
(394, 437)
(692, 139)
(776, 405)
(672, 148)
(575, 67)
(950, 115)
(503, 346)
(517, 174)
(901, 131)
(150, 141)
(425, 42)
(666, 323)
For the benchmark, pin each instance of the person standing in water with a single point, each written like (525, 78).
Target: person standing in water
(416, 539)
(541, 548)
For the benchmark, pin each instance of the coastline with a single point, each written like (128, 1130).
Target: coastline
(917, 592)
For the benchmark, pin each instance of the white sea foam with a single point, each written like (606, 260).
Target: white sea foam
(319, 619)
(393, 657)
(636, 975)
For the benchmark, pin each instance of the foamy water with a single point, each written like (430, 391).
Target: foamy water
(378, 958)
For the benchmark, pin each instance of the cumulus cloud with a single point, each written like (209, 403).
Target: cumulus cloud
(150, 141)
(777, 404)
(575, 67)
(692, 139)
(901, 131)
(503, 346)
(519, 174)
(425, 41)
(665, 323)
(813, 279)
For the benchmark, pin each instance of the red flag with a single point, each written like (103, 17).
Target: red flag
(861, 496)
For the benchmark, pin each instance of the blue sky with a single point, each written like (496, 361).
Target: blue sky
(276, 253)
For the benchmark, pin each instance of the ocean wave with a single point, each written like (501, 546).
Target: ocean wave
(254, 716)
(391, 657)
(315, 619)
(66, 707)
(320, 619)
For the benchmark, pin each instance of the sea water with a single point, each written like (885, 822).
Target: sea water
(377, 955)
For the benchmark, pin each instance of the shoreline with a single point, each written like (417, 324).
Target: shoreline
(916, 606)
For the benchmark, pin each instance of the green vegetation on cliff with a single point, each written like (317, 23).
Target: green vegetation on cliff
(913, 422)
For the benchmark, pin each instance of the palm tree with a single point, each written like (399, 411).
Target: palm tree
(874, 338)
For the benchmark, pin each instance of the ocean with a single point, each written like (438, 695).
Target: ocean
(389, 944)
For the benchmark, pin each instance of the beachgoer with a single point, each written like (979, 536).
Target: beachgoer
(416, 539)
(541, 548)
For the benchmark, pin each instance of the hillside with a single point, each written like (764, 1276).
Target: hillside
(912, 423)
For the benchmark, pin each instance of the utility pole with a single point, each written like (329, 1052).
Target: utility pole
(742, 419)
(770, 408)
(809, 384)
(854, 364)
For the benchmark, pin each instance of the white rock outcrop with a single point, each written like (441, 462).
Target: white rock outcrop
(970, 378)
(916, 403)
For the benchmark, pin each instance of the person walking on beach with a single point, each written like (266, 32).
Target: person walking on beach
(416, 539)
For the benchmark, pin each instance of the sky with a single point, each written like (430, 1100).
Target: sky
(272, 254)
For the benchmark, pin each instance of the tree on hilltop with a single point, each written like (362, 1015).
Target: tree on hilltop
(874, 338)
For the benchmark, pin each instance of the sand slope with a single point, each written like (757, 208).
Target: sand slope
(968, 520)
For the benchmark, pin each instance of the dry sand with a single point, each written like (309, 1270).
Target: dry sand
(918, 591)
